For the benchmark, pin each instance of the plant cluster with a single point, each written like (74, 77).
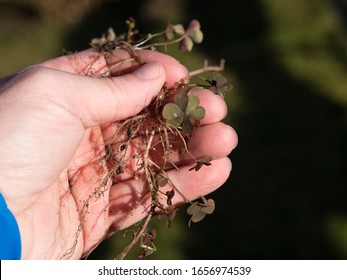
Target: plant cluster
(159, 131)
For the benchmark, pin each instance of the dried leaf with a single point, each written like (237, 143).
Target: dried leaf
(193, 208)
(161, 181)
(194, 32)
(169, 32)
(170, 215)
(200, 163)
(196, 167)
(197, 217)
(179, 29)
(200, 210)
(170, 195)
(209, 206)
(186, 44)
(111, 35)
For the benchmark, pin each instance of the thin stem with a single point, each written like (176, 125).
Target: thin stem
(152, 191)
(184, 142)
(150, 37)
(145, 163)
(107, 72)
(164, 43)
(137, 237)
(207, 68)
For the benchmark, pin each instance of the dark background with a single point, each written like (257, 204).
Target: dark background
(287, 60)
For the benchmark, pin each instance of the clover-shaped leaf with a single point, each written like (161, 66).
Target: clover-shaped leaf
(187, 126)
(199, 210)
(193, 109)
(187, 44)
(172, 30)
(178, 29)
(181, 100)
(161, 180)
(111, 35)
(194, 31)
(205, 161)
(173, 114)
(192, 35)
(106, 42)
(186, 107)
(218, 83)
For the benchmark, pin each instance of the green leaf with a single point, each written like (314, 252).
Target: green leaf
(176, 122)
(187, 126)
(193, 102)
(181, 100)
(219, 84)
(198, 113)
(172, 111)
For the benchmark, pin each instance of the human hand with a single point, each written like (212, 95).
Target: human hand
(53, 127)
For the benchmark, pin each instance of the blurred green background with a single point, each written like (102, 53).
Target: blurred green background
(287, 60)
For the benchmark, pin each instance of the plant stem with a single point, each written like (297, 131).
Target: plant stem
(164, 43)
(137, 237)
(152, 191)
(150, 37)
(207, 68)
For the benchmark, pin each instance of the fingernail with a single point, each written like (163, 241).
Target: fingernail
(149, 71)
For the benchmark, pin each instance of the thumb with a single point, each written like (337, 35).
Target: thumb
(99, 100)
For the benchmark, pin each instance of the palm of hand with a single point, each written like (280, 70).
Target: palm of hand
(69, 218)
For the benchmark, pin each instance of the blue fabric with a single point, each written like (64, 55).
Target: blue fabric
(10, 241)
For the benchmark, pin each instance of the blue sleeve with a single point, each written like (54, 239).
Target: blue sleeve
(10, 241)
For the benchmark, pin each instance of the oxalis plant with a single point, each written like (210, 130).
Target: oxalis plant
(160, 130)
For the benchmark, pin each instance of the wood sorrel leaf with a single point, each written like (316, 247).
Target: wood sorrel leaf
(179, 29)
(193, 208)
(197, 217)
(194, 31)
(209, 206)
(187, 126)
(161, 180)
(172, 111)
(173, 114)
(111, 35)
(186, 44)
(181, 100)
(219, 84)
(169, 32)
(176, 122)
(193, 102)
(198, 113)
